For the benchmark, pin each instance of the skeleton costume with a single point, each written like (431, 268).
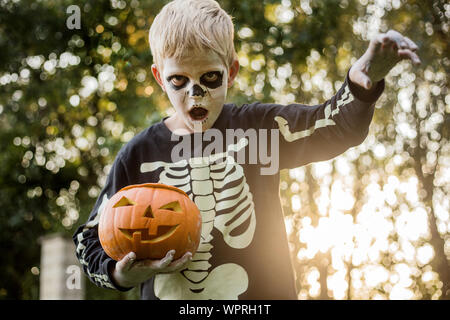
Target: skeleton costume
(243, 253)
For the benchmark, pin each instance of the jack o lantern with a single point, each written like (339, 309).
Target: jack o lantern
(149, 219)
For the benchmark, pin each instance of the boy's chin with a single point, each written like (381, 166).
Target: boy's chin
(191, 126)
(185, 124)
(200, 126)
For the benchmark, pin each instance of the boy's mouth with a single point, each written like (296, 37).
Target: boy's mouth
(198, 113)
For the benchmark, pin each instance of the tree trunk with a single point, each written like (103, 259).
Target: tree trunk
(440, 262)
(358, 193)
(324, 260)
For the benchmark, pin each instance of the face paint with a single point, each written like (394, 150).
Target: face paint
(177, 82)
(196, 88)
(212, 79)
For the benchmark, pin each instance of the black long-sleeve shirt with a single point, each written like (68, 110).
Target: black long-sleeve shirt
(244, 249)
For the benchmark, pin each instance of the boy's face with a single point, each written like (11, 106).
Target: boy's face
(197, 87)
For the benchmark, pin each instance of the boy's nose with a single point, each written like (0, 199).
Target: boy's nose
(197, 91)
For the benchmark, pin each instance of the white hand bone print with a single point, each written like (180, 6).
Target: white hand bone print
(218, 187)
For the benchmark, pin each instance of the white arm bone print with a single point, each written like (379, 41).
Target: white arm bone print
(218, 187)
(289, 136)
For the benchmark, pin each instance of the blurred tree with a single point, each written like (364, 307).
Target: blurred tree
(426, 96)
(408, 142)
(69, 99)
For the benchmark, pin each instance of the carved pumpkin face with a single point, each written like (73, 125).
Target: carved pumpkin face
(149, 219)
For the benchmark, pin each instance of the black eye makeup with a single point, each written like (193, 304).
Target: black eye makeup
(212, 79)
(177, 82)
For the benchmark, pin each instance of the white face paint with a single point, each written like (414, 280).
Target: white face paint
(197, 87)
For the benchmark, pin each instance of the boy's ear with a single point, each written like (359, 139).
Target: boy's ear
(234, 69)
(157, 76)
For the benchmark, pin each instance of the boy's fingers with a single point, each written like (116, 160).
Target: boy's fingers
(167, 259)
(185, 258)
(177, 264)
(166, 264)
(395, 40)
(408, 54)
(411, 44)
(389, 44)
(126, 262)
(404, 47)
(402, 44)
(376, 46)
(386, 41)
(157, 264)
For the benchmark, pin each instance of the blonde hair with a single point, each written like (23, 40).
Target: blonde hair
(192, 26)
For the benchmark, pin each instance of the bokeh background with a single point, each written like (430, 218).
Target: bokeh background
(372, 223)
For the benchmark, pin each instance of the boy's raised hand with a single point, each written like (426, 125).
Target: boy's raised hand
(383, 53)
(129, 273)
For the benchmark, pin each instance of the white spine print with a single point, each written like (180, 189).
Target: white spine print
(218, 187)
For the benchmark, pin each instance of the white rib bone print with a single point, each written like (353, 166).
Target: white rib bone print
(217, 185)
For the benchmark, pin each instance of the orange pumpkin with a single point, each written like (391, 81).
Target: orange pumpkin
(149, 219)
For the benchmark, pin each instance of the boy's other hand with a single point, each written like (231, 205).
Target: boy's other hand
(129, 273)
(383, 53)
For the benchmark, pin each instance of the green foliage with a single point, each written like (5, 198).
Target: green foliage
(56, 148)
(69, 99)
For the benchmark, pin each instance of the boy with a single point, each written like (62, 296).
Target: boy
(243, 252)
